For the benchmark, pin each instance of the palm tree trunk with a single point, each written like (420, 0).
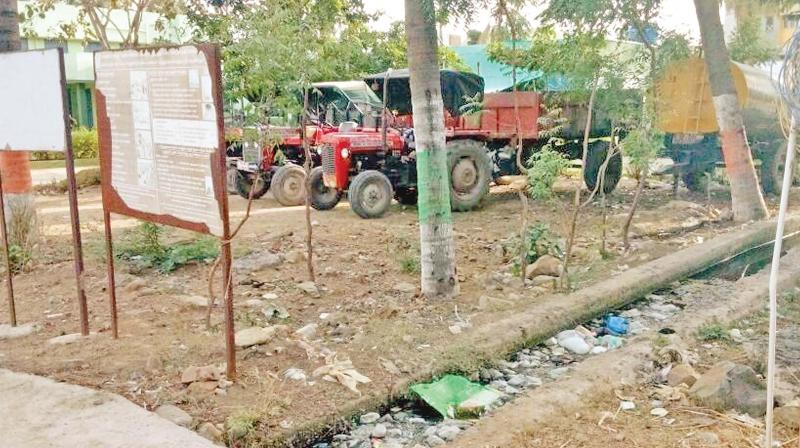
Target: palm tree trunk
(747, 201)
(9, 26)
(437, 247)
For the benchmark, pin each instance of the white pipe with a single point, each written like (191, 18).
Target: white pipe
(788, 174)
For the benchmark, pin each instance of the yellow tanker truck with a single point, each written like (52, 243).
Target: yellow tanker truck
(685, 113)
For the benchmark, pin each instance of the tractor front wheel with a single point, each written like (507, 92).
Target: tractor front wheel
(322, 197)
(370, 194)
(244, 183)
(596, 157)
(288, 185)
(470, 173)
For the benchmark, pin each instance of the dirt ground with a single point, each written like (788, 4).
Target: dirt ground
(363, 313)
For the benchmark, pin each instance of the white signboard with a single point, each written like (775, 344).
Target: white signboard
(162, 136)
(31, 101)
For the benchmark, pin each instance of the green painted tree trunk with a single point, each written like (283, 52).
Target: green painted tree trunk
(747, 201)
(437, 247)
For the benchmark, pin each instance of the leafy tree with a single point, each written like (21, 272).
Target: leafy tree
(107, 21)
(473, 37)
(747, 44)
(275, 47)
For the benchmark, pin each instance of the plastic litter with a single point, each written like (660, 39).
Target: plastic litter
(612, 342)
(616, 325)
(447, 394)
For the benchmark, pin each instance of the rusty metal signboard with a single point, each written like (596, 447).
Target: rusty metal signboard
(160, 124)
(162, 150)
(34, 117)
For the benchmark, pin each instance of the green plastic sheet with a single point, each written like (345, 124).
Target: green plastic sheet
(445, 394)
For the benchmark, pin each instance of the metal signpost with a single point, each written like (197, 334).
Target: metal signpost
(162, 149)
(35, 83)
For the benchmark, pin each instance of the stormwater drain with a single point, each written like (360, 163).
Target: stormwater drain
(414, 424)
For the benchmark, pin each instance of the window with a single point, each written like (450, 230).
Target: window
(790, 22)
(23, 44)
(769, 24)
(91, 47)
(52, 43)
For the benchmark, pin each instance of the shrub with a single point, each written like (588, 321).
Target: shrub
(84, 146)
(145, 249)
(544, 168)
(85, 143)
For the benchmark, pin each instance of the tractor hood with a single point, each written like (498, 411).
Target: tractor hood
(458, 89)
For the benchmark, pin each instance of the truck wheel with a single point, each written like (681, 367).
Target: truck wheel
(598, 151)
(696, 180)
(470, 173)
(231, 178)
(406, 196)
(288, 185)
(244, 183)
(370, 194)
(773, 164)
(322, 197)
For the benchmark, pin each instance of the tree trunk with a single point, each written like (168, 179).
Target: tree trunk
(9, 26)
(14, 166)
(747, 201)
(437, 247)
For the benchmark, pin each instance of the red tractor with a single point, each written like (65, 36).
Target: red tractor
(374, 167)
(330, 104)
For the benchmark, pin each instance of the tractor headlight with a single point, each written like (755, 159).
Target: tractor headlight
(345, 153)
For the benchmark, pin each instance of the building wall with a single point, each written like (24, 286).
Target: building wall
(777, 26)
(44, 33)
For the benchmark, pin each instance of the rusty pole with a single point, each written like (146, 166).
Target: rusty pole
(222, 197)
(12, 310)
(112, 284)
(230, 342)
(72, 188)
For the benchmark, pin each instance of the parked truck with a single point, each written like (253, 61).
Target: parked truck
(685, 113)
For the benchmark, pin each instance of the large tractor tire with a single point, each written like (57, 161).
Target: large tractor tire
(244, 183)
(288, 185)
(773, 164)
(370, 194)
(598, 150)
(322, 197)
(470, 170)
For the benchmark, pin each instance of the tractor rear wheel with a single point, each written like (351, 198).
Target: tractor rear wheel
(288, 185)
(470, 173)
(370, 194)
(244, 183)
(598, 151)
(322, 197)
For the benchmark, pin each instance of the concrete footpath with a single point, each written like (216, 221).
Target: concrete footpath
(38, 412)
